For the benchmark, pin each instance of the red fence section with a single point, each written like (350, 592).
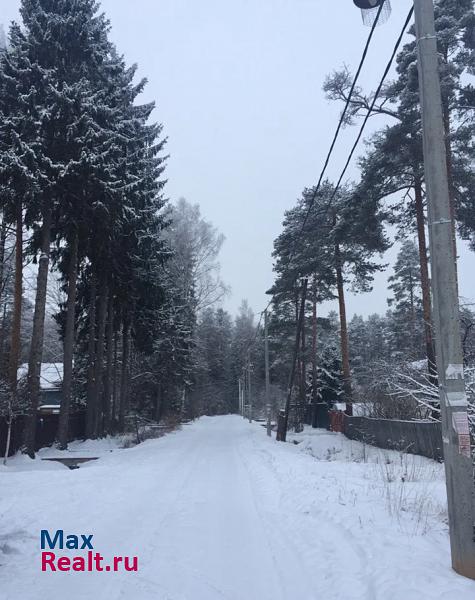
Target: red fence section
(337, 421)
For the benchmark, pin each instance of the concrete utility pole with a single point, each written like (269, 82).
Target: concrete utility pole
(266, 352)
(459, 468)
(249, 385)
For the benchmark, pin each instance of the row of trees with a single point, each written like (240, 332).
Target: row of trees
(81, 181)
(121, 276)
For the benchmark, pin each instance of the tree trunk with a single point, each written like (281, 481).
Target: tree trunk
(9, 438)
(314, 356)
(114, 382)
(124, 381)
(2, 339)
(3, 241)
(157, 409)
(15, 345)
(99, 363)
(91, 409)
(36, 349)
(345, 353)
(69, 340)
(299, 353)
(303, 378)
(108, 385)
(425, 283)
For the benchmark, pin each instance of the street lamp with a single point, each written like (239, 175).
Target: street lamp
(371, 8)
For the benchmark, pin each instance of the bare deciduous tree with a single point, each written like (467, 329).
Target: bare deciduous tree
(196, 245)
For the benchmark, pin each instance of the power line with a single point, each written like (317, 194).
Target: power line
(362, 128)
(375, 97)
(342, 117)
(330, 151)
(366, 119)
(335, 137)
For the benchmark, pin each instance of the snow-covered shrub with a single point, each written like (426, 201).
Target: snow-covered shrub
(397, 391)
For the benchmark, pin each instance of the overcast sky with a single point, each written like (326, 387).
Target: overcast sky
(238, 89)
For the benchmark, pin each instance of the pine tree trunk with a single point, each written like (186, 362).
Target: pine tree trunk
(425, 283)
(108, 385)
(345, 352)
(36, 349)
(15, 345)
(91, 409)
(99, 363)
(303, 378)
(124, 380)
(69, 340)
(299, 350)
(314, 356)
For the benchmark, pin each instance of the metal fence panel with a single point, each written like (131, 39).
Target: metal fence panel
(416, 437)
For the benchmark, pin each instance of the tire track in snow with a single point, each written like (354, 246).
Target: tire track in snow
(322, 537)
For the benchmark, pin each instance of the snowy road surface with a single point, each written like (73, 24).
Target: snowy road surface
(218, 511)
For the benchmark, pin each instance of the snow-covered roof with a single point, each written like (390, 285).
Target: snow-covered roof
(419, 365)
(51, 377)
(360, 409)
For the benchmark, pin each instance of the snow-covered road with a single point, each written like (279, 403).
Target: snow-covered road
(218, 511)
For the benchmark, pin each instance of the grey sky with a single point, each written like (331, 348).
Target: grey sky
(238, 88)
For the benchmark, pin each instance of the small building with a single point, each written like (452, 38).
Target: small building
(51, 386)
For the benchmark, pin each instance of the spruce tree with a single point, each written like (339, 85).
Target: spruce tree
(53, 63)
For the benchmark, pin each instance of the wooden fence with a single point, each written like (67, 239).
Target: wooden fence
(46, 430)
(416, 437)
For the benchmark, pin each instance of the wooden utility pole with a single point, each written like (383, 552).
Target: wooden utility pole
(242, 385)
(453, 399)
(239, 401)
(266, 352)
(345, 352)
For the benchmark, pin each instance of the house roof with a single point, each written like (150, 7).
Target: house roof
(51, 377)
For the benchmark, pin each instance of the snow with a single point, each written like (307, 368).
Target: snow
(87, 449)
(220, 511)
